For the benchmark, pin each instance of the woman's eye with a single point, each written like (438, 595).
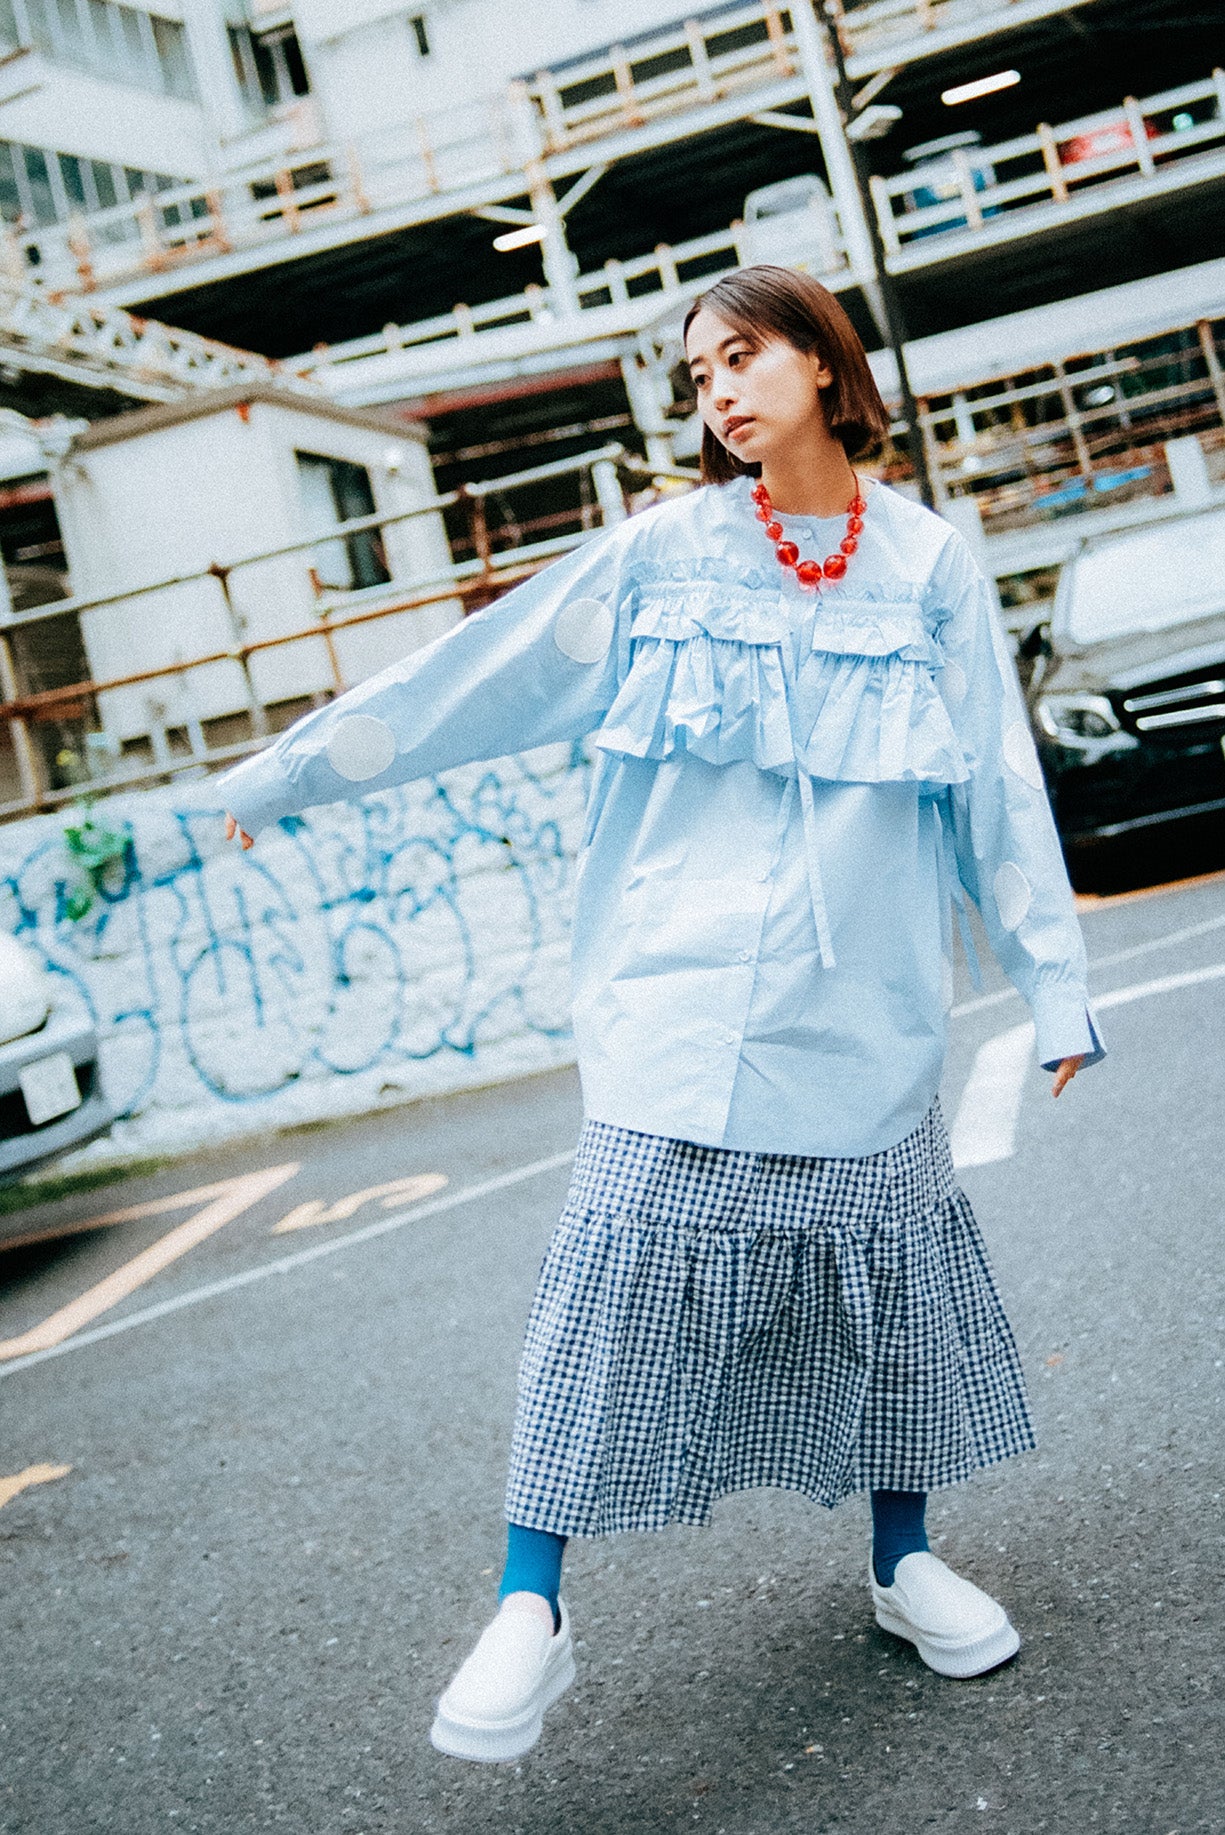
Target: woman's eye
(737, 356)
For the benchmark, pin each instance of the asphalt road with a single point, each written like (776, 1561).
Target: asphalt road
(250, 1489)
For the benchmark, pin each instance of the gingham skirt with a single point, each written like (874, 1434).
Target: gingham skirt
(709, 1321)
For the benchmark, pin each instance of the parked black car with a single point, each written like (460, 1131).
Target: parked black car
(1126, 688)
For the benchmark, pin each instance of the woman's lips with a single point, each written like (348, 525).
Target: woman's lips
(737, 424)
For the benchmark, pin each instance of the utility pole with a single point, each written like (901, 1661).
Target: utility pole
(895, 324)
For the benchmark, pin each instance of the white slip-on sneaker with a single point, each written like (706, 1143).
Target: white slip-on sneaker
(492, 1710)
(957, 1629)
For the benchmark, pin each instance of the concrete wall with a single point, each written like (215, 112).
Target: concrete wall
(78, 111)
(365, 64)
(415, 943)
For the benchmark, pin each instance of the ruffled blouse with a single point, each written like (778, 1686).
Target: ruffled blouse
(791, 792)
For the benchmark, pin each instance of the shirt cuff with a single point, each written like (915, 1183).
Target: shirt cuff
(257, 792)
(1066, 1028)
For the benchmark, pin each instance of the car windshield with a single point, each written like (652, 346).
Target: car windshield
(1147, 580)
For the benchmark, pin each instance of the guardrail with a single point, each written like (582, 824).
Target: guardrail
(975, 186)
(195, 743)
(1082, 434)
(106, 346)
(969, 197)
(728, 52)
(668, 268)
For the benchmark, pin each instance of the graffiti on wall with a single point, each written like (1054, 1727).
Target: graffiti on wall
(426, 921)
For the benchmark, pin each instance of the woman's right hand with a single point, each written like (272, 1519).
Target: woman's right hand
(232, 829)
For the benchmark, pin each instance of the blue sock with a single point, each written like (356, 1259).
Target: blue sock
(533, 1565)
(897, 1530)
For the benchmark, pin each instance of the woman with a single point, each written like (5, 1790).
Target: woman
(809, 740)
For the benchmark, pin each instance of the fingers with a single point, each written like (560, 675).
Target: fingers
(1064, 1075)
(232, 829)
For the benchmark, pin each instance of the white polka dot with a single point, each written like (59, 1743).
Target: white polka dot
(584, 630)
(1020, 754)
(955, 684)
(1013, 893)
(361, 747)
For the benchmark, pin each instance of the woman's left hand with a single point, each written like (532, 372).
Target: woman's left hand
(1067, 1070)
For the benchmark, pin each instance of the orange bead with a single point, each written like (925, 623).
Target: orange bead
(789, 554)
(848, 544)
(854, 525)
(835, 565)
(808, 573)
(856, 506)
(775, 531)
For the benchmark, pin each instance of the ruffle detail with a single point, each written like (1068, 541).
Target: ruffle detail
(710, 677)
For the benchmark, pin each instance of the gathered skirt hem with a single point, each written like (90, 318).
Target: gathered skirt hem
(560, 1523)
(710, 1321)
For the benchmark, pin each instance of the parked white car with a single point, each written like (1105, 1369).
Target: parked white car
(50, 1089)
(795, 225)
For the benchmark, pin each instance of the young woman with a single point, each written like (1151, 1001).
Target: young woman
(808, 739)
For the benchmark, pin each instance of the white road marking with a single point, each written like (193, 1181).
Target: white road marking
(984, 1129)
(1167, 941)
(285, 1264)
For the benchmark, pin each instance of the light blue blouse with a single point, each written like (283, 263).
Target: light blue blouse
(790, 793)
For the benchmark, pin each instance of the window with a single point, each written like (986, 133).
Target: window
(269, 66)
(336, 490)
(38, 188)
(421, 34)
(121, 42)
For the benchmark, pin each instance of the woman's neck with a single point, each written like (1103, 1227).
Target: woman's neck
(816, 481)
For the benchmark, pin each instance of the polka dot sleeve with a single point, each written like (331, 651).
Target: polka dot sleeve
(1008, 855)
(538, 665)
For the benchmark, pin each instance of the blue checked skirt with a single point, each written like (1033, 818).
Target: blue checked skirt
(708, 1321)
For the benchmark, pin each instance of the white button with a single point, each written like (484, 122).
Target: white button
(746, 955)
(729, 1037)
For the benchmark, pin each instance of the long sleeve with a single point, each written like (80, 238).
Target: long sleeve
(537, 666)
(1008, 855)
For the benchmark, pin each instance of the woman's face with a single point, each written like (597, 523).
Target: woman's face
(758, 396)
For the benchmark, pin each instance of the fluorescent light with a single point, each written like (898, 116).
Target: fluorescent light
(984, 86)
(520, 238)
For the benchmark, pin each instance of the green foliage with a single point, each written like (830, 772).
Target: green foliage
(93, 847)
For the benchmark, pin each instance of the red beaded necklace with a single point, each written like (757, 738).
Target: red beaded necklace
(810, 573)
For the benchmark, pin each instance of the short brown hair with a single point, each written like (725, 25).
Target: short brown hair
(766, 301)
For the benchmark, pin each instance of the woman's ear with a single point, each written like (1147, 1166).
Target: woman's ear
(822, 373)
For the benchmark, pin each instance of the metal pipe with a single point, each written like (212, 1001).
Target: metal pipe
(885, 283)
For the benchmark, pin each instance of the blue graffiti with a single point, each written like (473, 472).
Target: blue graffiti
(427, 920)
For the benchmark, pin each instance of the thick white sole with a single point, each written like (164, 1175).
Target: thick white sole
(958, 1660)
(500, 1742)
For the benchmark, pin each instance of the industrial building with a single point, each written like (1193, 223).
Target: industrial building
(486, 221)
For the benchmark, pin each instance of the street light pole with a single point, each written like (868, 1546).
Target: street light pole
(895, 324)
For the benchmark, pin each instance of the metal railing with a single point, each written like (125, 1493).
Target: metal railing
(1067, 437)
(974, 188)
(70, 712)
(469, 151)
(969, 202)
(681, 67)
(105, 346)
(668, 268)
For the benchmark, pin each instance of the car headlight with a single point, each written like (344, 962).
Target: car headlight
(25, 989)
(1076, 719)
